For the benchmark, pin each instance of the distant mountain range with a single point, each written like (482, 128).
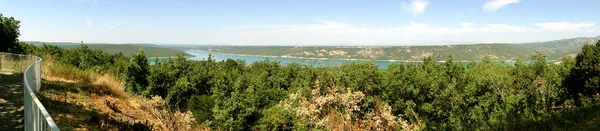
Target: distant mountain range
(498, 51)
(150, 50)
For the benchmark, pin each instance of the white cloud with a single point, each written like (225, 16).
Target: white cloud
(563, 26)
(322, 32)
(467, 24)
(591, 31)
(493, 5)
(506, 28)
(323, 26)
(416, 6)
(412, 28)
(332, 32)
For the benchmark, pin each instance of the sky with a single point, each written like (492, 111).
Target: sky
(304, 22)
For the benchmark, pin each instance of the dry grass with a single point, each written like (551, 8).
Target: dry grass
(115, 86)
(15, 63)
(91, 101)
(175, 121)
(65, 72)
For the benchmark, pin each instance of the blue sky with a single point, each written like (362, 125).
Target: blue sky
(306, 22)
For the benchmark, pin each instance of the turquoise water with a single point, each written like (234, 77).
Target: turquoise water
(203, 55)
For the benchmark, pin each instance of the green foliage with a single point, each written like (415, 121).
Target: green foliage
(46, 49)
(279, 118)
(136, 73)
(585, 75)
(81, 57)
(258, 87)
(9, 34)
(25, 48)
(201, 106)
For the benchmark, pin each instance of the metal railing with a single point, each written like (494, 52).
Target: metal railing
(36, 117)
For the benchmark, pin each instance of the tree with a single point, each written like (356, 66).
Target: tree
(137, 73)
(584, 78)
(9, 33)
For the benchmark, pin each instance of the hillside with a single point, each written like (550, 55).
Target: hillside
(497, 51)
(150, 50)
(410, 53)
(559, 48)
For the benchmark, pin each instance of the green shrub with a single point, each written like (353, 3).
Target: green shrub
(136, 73)
(201, 106)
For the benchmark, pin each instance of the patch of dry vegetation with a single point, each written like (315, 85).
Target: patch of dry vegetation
(83, 100)
(339, 110)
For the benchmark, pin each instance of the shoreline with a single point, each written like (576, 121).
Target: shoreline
(349, 59)
(169, 57)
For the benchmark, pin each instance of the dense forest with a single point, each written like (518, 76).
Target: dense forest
(266, 95)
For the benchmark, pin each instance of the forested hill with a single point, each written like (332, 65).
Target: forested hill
(496, 51)
(559, 48)
(150, 50)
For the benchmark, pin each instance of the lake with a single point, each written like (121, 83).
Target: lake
(315, 62)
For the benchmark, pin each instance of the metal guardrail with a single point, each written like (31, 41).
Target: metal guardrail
(36, 117)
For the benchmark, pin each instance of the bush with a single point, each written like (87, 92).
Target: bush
(137, 73)
(584, 78)
(9, 34)
(201, 106)
(333, 110)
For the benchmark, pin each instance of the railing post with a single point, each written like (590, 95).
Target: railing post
(38, 74)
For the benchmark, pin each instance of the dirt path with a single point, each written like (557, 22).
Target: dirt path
(11, 101)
